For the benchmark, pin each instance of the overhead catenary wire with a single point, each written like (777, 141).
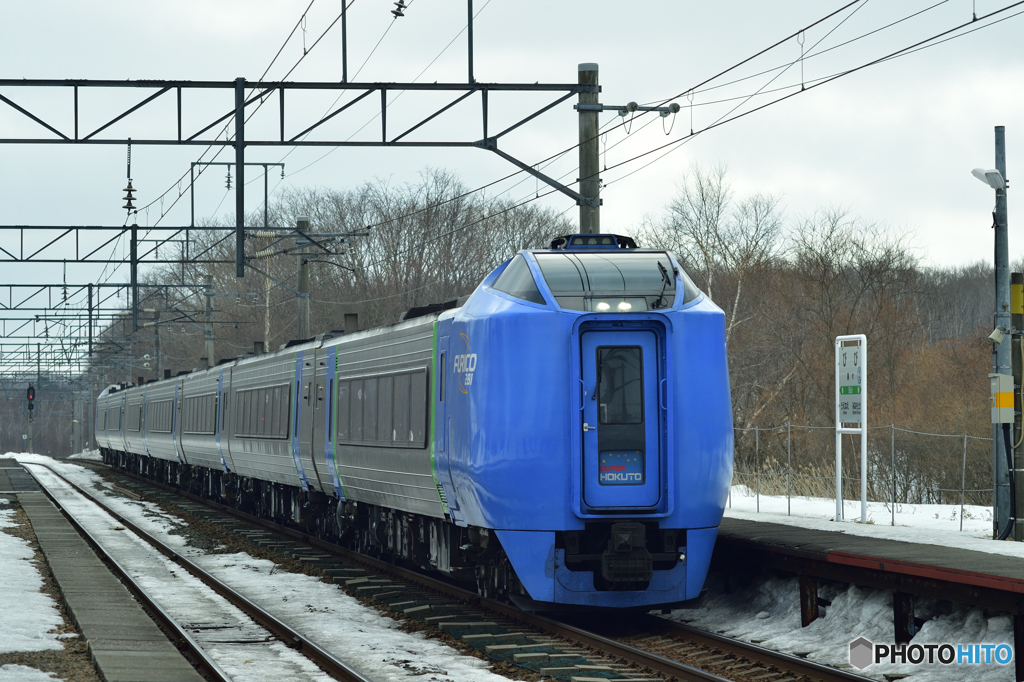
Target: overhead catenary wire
(916, 47)
(575, 146)
(901, 52)
(727, 70)
(393, 99)
(224, 130)
(908, 50)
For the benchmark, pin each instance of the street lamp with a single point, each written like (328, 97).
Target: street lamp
(1001, 378)
(992, 177)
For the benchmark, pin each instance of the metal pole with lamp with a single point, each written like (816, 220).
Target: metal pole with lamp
(1001, 378)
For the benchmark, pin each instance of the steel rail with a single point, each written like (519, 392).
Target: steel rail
(554, 626)
(331, 664)
(205, 663)
(795, 664)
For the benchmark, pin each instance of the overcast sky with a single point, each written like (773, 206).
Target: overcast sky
(894, 143)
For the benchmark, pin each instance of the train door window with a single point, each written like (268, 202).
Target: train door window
(298, 392)
(620, 385)
(401, 426)
(385, 406)
(330, 408)
(440, 379)
(418, 397)
(343, 408)
(370, 409)
(358, 399)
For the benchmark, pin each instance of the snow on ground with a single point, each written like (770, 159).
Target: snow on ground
(29, 615)
(91, 455)
(355, 633)
(768, 611)
(930, 524)
(21, 673)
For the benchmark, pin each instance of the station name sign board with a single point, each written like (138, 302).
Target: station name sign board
(850, 385)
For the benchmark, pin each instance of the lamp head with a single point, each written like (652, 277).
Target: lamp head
(991, 177)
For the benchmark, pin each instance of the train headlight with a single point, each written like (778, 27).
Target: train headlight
(602, 306)
(625, 305)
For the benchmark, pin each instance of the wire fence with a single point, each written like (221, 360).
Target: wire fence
(904, 466)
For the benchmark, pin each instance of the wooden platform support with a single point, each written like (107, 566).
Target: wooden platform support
(903, 617)
(808, 600)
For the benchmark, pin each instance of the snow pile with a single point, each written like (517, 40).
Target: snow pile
(91, 455)
(13, 672)
(29, 615)
(767, 613)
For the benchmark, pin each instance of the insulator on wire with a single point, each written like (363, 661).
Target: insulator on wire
(262, 234)
(265, 253)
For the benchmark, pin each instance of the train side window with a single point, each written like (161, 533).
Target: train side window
(285, 410)
(419, 395)
(401, 433)
(358, 399)
(370, 409)
(385, 405)
(344, 399)
(440, 379)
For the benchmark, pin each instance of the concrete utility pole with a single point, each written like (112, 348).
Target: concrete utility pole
(1001, 357)
(590, 180)
(208, 322)
(1017, 320)
(302, 298)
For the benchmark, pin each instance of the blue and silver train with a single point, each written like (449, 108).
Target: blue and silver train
(564, 436)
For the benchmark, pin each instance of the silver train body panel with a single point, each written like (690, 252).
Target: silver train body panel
(345, 415)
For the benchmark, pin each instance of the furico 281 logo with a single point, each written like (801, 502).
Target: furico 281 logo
(465, 365)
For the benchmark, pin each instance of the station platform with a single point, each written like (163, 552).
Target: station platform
(124, 642)
(14, 479)
(952, 564)
(907, 569)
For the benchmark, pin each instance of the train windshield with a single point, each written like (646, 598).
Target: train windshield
(613, 282)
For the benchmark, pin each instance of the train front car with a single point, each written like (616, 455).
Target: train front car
(584, 421)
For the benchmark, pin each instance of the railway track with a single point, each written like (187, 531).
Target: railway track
(202, 650)
(637, 646)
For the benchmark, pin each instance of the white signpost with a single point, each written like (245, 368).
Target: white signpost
(852, 411)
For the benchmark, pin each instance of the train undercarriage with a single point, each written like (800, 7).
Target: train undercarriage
(469, 555)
